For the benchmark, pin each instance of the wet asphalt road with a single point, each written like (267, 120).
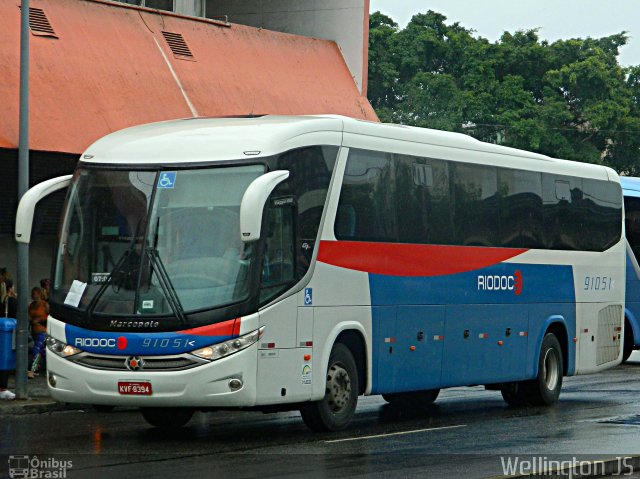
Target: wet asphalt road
(467, 433)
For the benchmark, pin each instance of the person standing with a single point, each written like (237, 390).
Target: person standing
(4, 277)
(9, 310)
(38, 313)
(45, 285)
(10, 301)
(5, 394)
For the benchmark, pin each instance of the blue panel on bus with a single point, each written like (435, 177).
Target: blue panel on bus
(488, 328)
(633, 280)
(409, 356)
(166, 343)
(504, 283)
(632, 297)
(484, 344)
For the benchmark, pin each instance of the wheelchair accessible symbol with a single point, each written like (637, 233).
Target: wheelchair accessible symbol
(167, 179)
(308, 296)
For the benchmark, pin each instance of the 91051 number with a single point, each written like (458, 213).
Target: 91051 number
(598, 283)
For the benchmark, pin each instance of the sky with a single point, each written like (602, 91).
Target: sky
(555, 19)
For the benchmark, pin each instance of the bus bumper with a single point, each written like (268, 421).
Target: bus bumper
(201, 386)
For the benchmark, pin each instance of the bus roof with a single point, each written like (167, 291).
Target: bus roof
(198, 140)
(630, 186)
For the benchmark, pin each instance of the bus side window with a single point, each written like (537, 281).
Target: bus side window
(278, 266)
(346, 222)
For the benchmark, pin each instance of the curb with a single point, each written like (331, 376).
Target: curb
(22, 407)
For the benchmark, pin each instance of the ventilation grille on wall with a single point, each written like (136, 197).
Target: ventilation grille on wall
(178, 45)
(39, 23)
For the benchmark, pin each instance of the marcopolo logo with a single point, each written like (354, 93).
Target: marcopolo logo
(498, 282)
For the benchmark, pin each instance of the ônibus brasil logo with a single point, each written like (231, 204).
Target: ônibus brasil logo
(496, 282)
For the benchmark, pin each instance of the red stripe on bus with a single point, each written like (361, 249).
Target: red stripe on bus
(226, 328)
(411, 259)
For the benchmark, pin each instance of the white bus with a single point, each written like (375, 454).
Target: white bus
(299, 262)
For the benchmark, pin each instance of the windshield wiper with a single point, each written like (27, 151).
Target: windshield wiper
(116, 271)
(163, 276)
(165, 283)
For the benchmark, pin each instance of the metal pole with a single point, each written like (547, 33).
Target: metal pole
(22, 276)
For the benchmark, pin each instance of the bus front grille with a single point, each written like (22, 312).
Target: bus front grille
(149, 363)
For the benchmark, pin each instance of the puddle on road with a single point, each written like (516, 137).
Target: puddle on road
(622, 420)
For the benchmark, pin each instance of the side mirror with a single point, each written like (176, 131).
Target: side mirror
(253, 202)
(27, 206)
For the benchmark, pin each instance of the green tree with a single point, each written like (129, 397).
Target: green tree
(383, 74)
(569, 99)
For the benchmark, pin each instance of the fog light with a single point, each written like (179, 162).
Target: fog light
(53, 380)
(235, 384)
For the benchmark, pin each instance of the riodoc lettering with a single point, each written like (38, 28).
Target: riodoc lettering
(491, 283)
(96, 342)
(501, 282)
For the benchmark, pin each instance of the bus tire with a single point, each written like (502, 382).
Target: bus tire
(514, 394)
(335, 411)
(544, 390)
(627, 347)
(412, 400)
(167, 418)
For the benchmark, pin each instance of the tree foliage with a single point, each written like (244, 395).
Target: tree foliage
(567, 99)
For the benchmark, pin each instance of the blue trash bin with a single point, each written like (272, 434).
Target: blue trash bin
(7, 344)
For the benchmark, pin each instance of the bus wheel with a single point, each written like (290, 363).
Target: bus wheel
(627, 348)
(335, 411)
(412, 400)
(544, 390)
(514, 394)
(167, 418)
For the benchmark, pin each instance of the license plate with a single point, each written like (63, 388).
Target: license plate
(134, 388)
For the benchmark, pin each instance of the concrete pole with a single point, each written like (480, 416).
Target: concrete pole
(22, 277)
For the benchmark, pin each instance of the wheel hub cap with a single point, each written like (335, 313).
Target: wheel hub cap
(551, 372)
(338, 387)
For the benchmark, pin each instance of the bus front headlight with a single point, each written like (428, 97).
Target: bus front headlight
(221, 350)
(61, 348)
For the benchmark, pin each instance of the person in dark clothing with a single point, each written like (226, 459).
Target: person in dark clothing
(10, 305)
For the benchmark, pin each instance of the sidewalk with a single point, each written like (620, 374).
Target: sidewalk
(39, 399)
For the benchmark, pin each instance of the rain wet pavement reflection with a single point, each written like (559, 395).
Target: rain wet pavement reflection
(464, 434)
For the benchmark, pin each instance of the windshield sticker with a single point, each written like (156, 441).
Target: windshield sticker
(110, 231)
(167, 179)
(75, 293)
(99, 278)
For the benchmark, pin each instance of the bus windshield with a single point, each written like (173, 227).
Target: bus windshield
(154, 242)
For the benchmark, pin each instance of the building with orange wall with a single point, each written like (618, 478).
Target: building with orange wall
(99, 66)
